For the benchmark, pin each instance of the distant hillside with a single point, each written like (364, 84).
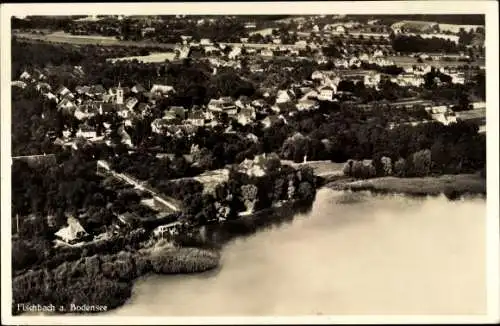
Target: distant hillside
(443, 19)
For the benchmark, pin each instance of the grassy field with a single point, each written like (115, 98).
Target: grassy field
(455, 28)
(447, 184)
(320, 167)
(152, 58)
(61, 37)
(407, 61)
(472, 114)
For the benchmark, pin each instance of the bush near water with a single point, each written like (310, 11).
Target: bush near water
(104, 280)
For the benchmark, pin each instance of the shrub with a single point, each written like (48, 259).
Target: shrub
(184, 260)
(400, 167)
(386, 165)
(422, 162)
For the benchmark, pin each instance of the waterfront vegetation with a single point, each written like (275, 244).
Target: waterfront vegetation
(452, 186)
(104, 279)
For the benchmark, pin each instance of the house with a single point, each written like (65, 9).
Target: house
(131, 103)
(235, 52)
(62, 91)
(43, 87)
(306, 105)
(277, 40)
(171, 118)
(210, 49)
(147, 30)
(159, 126)
(128, 219)
(457, 78)
(205, 41)
(86, 131)
(407, 79)
(439, 109)
(354, 62)
(178, 111)
(445, 118)
(80, 90)
(317, 75)
(123, 112)
(341, 63)
(372, 79)
(340, 29)
(246, 116)
(50, 96)
(250, 25)
(66, 105)
(144, 109)
(138, 89)
(284, 96)
(221, 104)
(18, 83)
(301, 44)
(271, 120)
(256, 68)
(378, 53)
(326, 93)
(97, 90)
(82, 112)
(25, 75)
(196, 118)
(162, 90)
(72, 233)
(167, 229)
(186, 38)
(479, 105)
(266, 53)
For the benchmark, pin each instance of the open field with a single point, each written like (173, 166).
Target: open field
(472, 114)
(455, 28)
(152, 58)
(61, 37)
(448, 184)
(321, 168)
(407, 61)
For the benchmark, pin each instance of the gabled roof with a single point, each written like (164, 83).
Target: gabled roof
(97, 89)
(73, 231)
(138, 88)
(196, 115)
(131, 102)
(82, 89)
(157, 88)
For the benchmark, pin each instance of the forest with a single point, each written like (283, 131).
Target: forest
(417, 44)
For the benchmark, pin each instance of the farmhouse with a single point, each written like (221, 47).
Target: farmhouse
(73, 233)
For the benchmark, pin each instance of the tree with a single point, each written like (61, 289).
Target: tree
(386, 165)
(306, 191)
(421, 162)
(249, 194)
(400, 167)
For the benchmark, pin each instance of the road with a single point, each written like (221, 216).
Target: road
(143, 186)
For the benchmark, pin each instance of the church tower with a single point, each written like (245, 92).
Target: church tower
(119, 94)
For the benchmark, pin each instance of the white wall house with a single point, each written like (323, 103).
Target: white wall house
(326, 92)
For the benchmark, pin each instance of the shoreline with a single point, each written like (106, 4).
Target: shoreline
(164, 258)
(452, 186)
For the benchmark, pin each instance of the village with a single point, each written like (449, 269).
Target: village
(365, 56)
(134, 135)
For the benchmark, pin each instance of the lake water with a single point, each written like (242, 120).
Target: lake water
(350, 254)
